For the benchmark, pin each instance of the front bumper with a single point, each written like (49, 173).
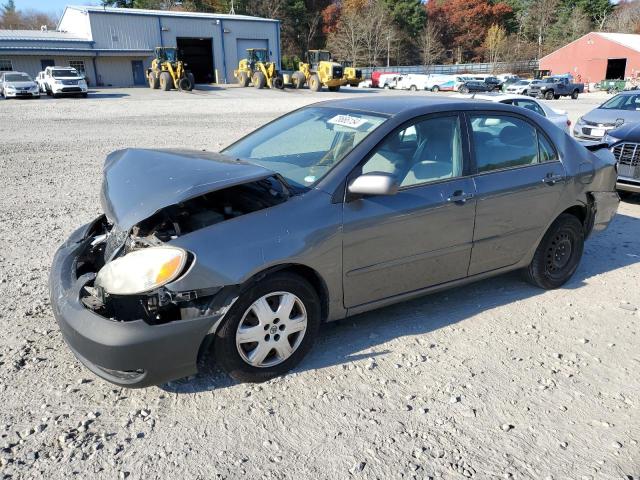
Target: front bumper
(21, 94)
(628, 185)
(132, 353)
(68, 89)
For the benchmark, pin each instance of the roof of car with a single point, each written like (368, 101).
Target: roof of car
(394, 105)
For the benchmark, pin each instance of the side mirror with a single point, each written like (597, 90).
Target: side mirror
(374, 183)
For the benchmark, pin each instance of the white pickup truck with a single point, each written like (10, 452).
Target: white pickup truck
(58, 81)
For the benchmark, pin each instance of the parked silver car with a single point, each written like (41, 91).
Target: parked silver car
(558, 117)
(615, 112)
(18, 85)
(332, 210)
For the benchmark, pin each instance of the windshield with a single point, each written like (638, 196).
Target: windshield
(522, 82)
(17, 77)
(324, 56)
(259, 56)
(304, 145)
(64, 73)
(623, 102)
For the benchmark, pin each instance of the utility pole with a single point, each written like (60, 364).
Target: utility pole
(388, 46)
(233, 10)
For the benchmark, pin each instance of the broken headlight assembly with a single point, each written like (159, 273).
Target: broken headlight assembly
(142, 270)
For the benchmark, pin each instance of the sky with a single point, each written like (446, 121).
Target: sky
(50, 5)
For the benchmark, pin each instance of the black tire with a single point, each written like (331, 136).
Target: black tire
(243, 79)
(85, 94)
(259, 80)
(226, 352)
(278, 83)
(524, 92)
(334, 89)
(166, 83)
(154, 81)
(192, 79)
(558, 255)
(574, 94)
(413, 88)
(463, 90)
(623, 194)
(314, 83)
(556, 97)
(298, 80)
(435, 89)
(549, 95)
(185, 84)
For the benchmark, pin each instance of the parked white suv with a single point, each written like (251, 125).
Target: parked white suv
(60, 81)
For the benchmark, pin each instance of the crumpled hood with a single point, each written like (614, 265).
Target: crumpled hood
(137, 182)
(629, 132)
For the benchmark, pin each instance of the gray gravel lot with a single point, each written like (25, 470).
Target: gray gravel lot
(495, 380)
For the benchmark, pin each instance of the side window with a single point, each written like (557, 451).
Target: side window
(531, 105)
(503, 142)
(547, 152)
(426, 151)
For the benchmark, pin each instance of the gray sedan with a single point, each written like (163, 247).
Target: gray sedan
(18, 85)
(615, 112)
(332, 210)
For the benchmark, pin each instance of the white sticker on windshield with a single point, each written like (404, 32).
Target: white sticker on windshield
(347, 121)
(310, 179)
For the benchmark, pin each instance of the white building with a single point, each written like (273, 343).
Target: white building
(113, 46)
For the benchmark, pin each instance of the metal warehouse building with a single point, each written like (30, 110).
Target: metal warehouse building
(113, 46)
(597, 56)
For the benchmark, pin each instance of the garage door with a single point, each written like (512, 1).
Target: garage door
(244, 43)
(197, 53)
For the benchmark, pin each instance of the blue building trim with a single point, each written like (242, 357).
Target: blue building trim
(278, 45)
(224, 54)
(160, 30)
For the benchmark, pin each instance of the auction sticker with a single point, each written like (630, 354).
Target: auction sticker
(347, 121)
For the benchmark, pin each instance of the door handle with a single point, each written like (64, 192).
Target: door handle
(551, 179)
(460, 197)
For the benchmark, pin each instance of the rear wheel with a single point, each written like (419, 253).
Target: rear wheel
(314, 83)
(243, 79)
(575, 94)
(165, 81)
(278, 83)
(435, 89)
(269, 329)
(259, 80)
(192, 79)
(185, 84)
(558, 255)
(549, 95)
(413, 88)
(525, 92)
(154, 82)
(463, 89)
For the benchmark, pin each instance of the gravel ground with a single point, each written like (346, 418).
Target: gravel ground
(494, 380)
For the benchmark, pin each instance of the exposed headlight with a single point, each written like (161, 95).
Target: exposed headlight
(580, 121)
(142, 270)
(58, 82)
(10, 88)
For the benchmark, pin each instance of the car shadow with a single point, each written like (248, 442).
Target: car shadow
(359, 337)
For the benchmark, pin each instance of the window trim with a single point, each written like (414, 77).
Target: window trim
(466, 162)
(472, 150)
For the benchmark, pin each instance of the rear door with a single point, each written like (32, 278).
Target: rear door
(519, 181)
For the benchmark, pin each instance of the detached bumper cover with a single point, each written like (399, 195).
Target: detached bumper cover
(131, 354)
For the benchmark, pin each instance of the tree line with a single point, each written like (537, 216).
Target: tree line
(407, 32)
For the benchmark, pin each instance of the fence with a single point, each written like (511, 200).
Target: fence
(510, 67)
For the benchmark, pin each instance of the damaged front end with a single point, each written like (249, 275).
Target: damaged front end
(113, 282)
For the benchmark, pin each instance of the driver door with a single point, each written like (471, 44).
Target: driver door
(422, 235)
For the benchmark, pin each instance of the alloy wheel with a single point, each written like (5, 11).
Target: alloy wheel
(271, 329)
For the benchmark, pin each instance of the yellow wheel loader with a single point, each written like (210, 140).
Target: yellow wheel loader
(320, 70)
(258, 71)
(168, 71)
(351, 76)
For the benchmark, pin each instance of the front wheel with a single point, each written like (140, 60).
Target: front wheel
(463, 90)
(548, 95)
(314, 83)
(269, 329)
(558, 255)
(574, 94)
(435, 89)
(259, 80)
(413, 88)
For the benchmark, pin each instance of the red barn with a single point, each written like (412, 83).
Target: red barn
(597, 56)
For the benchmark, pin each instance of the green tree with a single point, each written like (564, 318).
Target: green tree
(408, 15)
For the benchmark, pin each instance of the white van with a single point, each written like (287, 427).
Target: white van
(413, 82)
(447, 83)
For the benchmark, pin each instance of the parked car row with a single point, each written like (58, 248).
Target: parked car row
(54, 81)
